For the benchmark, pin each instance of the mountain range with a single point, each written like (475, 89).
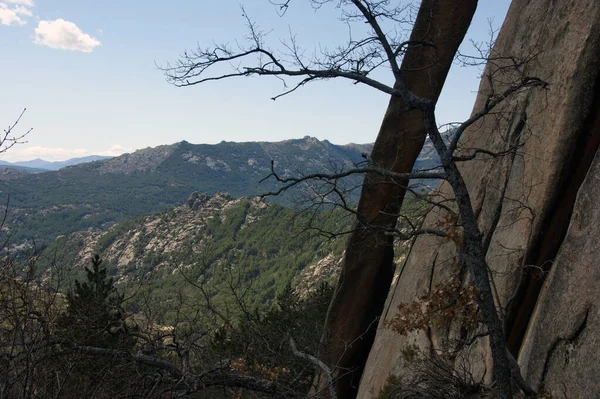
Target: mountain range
(95, 195)
(39, 165)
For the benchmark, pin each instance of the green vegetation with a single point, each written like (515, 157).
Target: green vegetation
(260, 258)
(94, 315)
(96, 195)
(206, 281)
(249, 245)
(86, 346)
(393, 384)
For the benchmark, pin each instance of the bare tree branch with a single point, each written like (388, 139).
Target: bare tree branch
(8, 139)
(318, 363)
(525, 84)
(290, 182)
(105, 352)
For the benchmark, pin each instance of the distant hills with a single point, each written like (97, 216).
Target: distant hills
(95, 195)
(26, 169)
(39, 165)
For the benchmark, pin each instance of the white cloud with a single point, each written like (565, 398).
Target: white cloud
(10, 16)
(21, 10)
(28, 3)
(64, 35)
(114, 151)
(12, 11)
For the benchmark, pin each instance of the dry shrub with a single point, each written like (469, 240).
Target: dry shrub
(445, 303)
(433, 376)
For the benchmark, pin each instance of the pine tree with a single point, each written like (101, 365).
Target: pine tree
(95, 316)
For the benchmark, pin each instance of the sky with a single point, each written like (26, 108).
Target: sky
(87, 72)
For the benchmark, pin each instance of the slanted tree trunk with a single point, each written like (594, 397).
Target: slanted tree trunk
(367, 268)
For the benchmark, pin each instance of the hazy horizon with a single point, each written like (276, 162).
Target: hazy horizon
(137, 149)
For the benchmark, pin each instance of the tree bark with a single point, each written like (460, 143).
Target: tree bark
(368, 265)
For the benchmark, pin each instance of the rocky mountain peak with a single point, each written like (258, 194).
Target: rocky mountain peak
(198, 201)
(144, 160)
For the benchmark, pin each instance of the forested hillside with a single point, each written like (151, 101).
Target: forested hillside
(215, 241)
(210, 240)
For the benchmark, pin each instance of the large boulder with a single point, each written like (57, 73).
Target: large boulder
(523, 199)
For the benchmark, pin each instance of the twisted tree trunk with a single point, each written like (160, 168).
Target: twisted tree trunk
(368, 266)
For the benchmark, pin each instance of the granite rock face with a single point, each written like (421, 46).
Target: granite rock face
(561, 348)
(523, 199)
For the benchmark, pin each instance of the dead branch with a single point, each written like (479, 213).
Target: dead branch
(8, 139)
(316, 362)
(289, 182)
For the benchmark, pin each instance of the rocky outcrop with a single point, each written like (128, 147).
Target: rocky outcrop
(171, 233)
(210, 235)
(523, 199)
(560, 352)
(144, 160)
(325, 270)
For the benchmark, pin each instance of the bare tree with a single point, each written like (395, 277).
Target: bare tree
(418, 65)
(9, 138)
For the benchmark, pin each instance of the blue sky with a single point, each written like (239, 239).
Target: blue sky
(86, 72)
